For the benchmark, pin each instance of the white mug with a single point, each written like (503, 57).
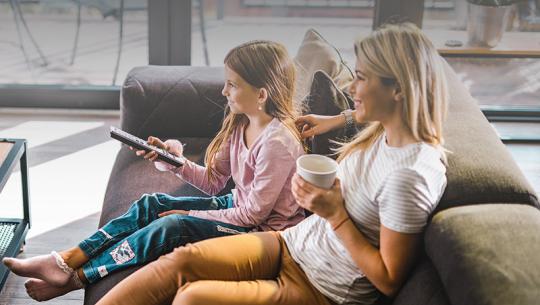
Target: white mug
(318, 170)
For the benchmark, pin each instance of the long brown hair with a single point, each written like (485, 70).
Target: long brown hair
(401, 54)
(262, 64)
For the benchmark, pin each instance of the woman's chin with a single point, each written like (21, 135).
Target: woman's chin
(360, 117)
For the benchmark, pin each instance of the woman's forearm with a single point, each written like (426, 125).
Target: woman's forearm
(366, 257)
(337, 121)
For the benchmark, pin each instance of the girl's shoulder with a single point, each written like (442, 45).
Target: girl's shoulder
(278, 136)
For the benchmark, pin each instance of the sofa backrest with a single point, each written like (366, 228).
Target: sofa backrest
(480, 168)
(173, 101)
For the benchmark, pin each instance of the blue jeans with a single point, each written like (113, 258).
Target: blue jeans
(140, 235)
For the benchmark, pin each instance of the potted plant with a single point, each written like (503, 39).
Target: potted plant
(487, 21)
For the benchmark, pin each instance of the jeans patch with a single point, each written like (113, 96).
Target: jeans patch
(102, 270)
(122, 253)
(227, 230)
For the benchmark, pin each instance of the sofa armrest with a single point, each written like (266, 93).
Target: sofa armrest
(172, 101)
(487, 254)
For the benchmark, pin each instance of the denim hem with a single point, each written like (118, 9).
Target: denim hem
(88, 250)
(90, 273)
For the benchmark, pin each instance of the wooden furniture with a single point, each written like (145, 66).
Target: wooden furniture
(13, 230)
(512, 45)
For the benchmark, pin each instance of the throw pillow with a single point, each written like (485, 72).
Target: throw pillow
(325, 98)
(315, 53)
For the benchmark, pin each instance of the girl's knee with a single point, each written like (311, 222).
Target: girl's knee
(146, 202)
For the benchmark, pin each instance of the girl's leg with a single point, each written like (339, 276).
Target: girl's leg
(246, 257)
(145, 245)
(140, 214)
(158, 238)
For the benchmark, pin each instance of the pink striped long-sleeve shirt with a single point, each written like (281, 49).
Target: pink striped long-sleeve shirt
(262, 174)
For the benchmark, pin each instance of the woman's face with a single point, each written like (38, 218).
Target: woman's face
(242, 98)
(373, 100)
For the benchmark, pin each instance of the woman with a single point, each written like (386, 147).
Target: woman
(366, 231)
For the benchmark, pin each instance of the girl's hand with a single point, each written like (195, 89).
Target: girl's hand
(172, 146)
(171, 212)
(326, 203)
(312, 124)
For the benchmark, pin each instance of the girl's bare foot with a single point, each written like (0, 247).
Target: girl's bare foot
(49, 268)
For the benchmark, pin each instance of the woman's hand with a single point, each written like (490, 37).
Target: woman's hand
(312, 124)
(328, 204)
(171, 212)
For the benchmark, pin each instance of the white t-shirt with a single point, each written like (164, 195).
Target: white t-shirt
(397, 187)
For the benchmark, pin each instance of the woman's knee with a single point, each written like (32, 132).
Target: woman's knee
(190, 294)
(181, 260)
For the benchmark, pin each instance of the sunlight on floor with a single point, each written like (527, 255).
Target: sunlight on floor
(40, 132)
(64, 189)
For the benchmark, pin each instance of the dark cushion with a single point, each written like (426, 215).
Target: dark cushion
(325, 98)
(423, 287)
(487, 254)
(480, 168)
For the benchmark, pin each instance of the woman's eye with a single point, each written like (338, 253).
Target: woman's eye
(359, 77)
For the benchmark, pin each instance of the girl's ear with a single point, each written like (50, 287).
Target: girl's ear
(263, 95)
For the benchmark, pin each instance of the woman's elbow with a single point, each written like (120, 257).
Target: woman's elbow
(391, 288)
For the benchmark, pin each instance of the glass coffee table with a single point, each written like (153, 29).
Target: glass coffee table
(13, 230)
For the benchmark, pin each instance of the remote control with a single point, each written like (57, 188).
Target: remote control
(141, 144)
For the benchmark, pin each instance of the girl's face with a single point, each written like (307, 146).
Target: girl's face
(242, 97)
(373, 100)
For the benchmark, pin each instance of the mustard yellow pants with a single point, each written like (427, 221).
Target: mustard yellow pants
(250, 269)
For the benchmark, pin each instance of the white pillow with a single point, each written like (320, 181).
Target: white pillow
(315, 53)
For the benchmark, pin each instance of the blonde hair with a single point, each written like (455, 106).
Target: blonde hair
(401, 55)
(262, 64)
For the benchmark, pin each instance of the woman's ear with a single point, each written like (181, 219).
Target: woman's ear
(398, 94)
(263, 95)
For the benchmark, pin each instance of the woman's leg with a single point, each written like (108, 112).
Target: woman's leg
(290, 287)
(246, 257)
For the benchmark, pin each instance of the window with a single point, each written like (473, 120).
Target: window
(75, 43)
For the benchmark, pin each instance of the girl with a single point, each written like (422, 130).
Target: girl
(257, 133)
(366, 231)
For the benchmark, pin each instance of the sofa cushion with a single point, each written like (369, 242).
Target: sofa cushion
(315, 53)
(325, 98)
(480, 168)
(487, 254)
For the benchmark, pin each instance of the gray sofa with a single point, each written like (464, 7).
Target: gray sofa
(481, 247)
